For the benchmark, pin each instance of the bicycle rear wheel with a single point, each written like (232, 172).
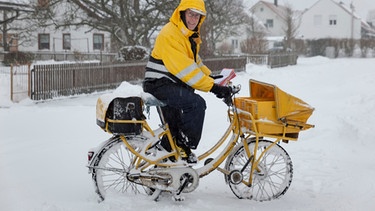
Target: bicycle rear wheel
(111, 167)
(274, 178)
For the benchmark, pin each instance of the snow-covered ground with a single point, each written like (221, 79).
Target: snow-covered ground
(43, 146)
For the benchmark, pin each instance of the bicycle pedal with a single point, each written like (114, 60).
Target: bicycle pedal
(178, 198)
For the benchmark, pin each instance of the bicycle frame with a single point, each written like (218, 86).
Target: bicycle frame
(234, 131)
(254, 168)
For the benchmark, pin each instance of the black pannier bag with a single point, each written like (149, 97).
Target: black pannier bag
(129, 108)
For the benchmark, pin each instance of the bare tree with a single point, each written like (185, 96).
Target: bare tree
(135, 22)
(130, 22)
(224, 18)
(292, 20)
(10, 13)
(255, 41)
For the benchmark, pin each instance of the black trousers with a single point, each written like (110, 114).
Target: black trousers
(185, 109)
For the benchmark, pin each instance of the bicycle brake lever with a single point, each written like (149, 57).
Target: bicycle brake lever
(236, 89)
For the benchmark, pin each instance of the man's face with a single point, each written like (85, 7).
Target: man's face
(192, 19)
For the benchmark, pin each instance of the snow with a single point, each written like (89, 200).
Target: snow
(43, 146)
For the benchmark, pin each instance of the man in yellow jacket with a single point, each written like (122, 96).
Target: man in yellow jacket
(175, 70)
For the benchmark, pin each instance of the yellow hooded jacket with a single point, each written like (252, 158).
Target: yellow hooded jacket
(173, 48)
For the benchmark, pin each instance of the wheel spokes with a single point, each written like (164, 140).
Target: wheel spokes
(272, 176)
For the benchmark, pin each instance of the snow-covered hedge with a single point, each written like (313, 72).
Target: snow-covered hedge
(131, 53)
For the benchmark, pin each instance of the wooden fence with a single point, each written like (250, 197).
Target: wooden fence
(259, 59)
(56, 80)
(69, 56)
(49, 81)
(282, 59)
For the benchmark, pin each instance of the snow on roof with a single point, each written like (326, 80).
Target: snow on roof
(351, 10)
(278, 10)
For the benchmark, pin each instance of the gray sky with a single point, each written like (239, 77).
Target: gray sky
(362, 7)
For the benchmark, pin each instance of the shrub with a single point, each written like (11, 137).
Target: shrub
(18, 58)
(131, 53)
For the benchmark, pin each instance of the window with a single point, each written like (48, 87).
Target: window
(66, 41)
(269, 23)
(98, 41)
(261, 9)
(317, 20)
(43, 41)
(234, 44)
(332, 20)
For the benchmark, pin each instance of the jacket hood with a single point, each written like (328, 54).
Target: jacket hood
(184, 5)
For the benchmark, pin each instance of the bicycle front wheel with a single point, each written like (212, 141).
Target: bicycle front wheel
(272, 178)
(111, 167)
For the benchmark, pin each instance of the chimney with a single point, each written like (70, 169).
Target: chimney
(276, 3)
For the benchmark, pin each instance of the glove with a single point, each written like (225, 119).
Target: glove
(221, 91)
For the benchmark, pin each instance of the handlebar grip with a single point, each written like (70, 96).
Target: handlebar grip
(236, 89)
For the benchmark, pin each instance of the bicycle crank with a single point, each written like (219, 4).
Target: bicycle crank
(176, 180)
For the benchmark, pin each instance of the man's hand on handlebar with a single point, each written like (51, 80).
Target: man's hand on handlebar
(221, 91)
(225, 92)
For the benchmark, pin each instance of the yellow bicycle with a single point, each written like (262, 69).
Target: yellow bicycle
(131, 161)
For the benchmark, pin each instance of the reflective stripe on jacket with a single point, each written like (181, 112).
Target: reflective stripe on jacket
(173, 48)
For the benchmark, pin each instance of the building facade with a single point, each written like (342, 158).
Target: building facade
(81, 39)
(330, 19)
(272, 15)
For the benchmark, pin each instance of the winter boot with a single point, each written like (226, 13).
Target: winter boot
(186, 153)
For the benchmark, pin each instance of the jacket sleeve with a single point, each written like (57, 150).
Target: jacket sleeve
(178, 59)
(203, 67)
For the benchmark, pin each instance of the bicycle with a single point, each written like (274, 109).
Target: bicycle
(131, 161)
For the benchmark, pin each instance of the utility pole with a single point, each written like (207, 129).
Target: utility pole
(352, 15)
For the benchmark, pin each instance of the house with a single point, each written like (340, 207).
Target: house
(48, 40)
(269, 20)
(272, 15)
(331, 19)
(324, 19)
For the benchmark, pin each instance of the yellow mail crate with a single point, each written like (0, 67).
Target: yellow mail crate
(260, 109)
(264, 113)
(274, 111)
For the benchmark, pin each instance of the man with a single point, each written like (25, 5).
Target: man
(175, 70)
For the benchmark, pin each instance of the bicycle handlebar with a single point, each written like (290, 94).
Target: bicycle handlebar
(235, 89)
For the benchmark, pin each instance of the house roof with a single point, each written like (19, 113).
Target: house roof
(278, 10)
(348, 9)
(351, 11)
(341, 5)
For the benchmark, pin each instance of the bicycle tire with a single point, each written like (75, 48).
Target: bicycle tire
(274, 179)
(111, 167)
